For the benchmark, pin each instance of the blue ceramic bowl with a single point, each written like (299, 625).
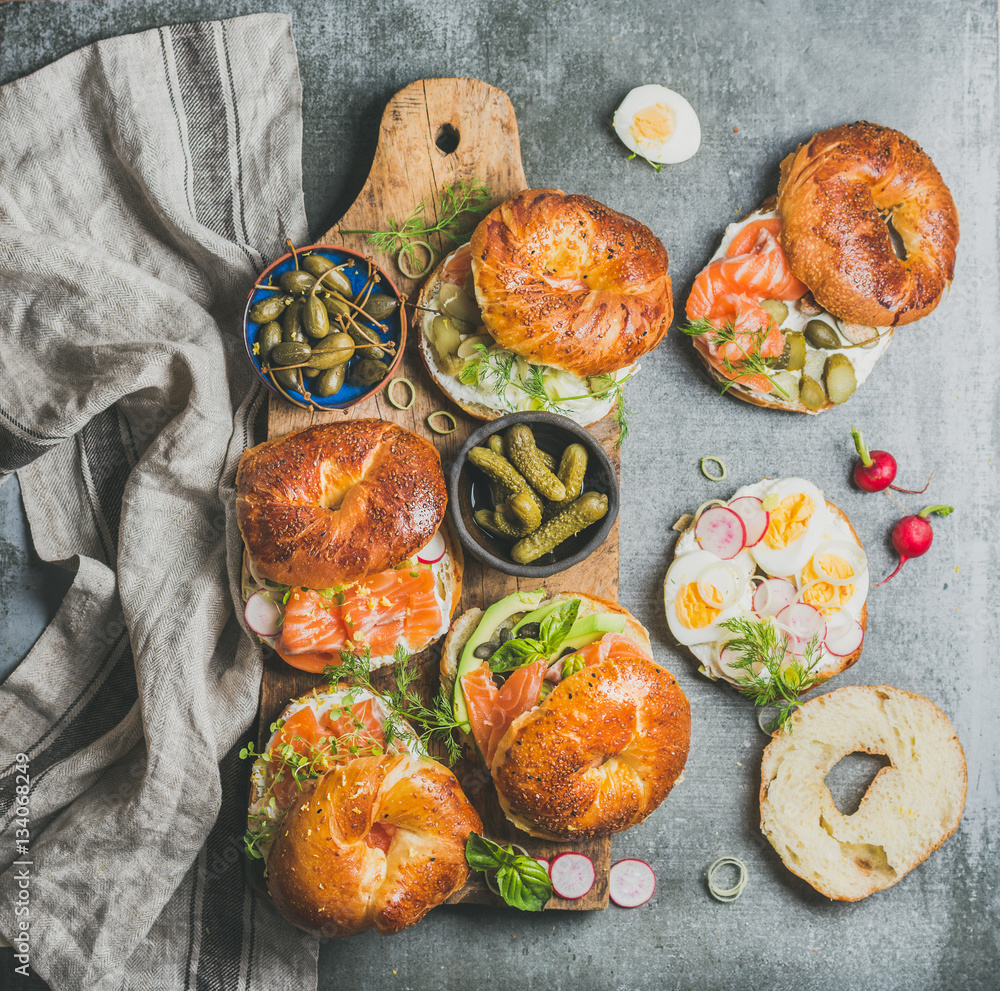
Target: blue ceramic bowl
(357, 272)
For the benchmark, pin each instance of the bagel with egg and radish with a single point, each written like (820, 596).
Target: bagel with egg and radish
(549, 306)
(346, 543)
(803, 295)
(777, 553)
(358, 828)
(587, 734)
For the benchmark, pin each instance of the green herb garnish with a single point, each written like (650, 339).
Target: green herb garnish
(656, 165)
(494, 369)
(404, 702)
(752, 362)
(521, 881)
(464, 197)
(779, 682)
(523, 650)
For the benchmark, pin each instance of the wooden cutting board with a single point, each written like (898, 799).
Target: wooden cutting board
(411, 167)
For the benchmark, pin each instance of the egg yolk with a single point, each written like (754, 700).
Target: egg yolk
(692, 610)
(654, 124)
(789, 520)
(825, 597)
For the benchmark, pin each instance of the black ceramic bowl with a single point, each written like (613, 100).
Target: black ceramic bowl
(468, 490)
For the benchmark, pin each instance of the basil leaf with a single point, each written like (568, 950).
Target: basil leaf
(483, 854)
(556, 626)
(526, 885)
(515, 654)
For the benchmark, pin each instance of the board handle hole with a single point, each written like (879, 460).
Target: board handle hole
(447, 138)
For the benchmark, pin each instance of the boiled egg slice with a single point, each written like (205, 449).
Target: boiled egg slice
(798, 520)
(658, 125)
(836, 577)
(700, 592)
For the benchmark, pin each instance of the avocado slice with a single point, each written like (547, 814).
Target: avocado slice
(492, 618)
(590, 628)
(539, 614)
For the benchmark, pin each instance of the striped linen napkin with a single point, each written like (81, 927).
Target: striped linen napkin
(144, 181)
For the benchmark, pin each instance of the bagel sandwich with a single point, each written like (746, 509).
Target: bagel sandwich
(347, 546)
(549, 306)
(357, 827)
(586, 735)
(776, 563)
(803, 295)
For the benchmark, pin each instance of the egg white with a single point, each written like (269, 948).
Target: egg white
(680, 145)
(784, 562)
(693, 567)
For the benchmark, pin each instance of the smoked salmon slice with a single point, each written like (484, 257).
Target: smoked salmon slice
(373, 613)
(728, 292)
(492, 709)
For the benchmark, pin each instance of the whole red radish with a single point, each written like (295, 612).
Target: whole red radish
(876, 470)
(912, 536)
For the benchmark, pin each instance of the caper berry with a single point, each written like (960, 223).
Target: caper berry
(265, 310)
(380, 306)
(330, 382)
(291, 324)
(296, 280)
(334, 350)
(821, 335)
(267, 337)
(290, 353)
(368, 372)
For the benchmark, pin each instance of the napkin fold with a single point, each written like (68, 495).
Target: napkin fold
(144, 181)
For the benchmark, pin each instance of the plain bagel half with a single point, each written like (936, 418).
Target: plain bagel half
(910, 809)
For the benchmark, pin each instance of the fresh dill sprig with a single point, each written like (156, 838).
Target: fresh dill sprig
(404, 701)
(752, 362)
(466, 196)
(778, 682)
(495, 370)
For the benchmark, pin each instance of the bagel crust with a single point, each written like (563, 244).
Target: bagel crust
(909, 810)
(332, 503)
(325, 877)
(568, 282)
(832, 196)
(599, 754)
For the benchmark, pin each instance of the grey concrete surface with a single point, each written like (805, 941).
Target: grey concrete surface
(763, 76)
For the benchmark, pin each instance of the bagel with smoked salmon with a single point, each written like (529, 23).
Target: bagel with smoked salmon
(358, 828)
(346, 543)
(587, 734)
(803, 295)
(549, 306)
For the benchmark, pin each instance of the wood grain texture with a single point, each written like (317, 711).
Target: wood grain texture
(409, 168)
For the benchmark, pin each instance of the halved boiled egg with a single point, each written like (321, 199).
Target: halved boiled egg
(798, 517)
(700, 592)
(836, 577)
(658, 124)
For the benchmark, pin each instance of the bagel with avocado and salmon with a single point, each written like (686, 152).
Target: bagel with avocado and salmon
(583, 733)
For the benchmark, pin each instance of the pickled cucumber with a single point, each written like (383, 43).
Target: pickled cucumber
(501, 471)
(588, 509)
(839, 378)
(525, 510)
(519, 443)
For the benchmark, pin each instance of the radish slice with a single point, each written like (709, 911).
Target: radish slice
(262, 615)
(720, 531)
(572, 875)
(433, 551)
(756, 518)
(801, 620)
(543, 862)
(631, 883)
(843, 634)
(772, 595)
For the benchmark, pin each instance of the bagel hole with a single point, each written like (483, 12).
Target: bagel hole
(894, 237)
(851, 777)
(447, 138)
